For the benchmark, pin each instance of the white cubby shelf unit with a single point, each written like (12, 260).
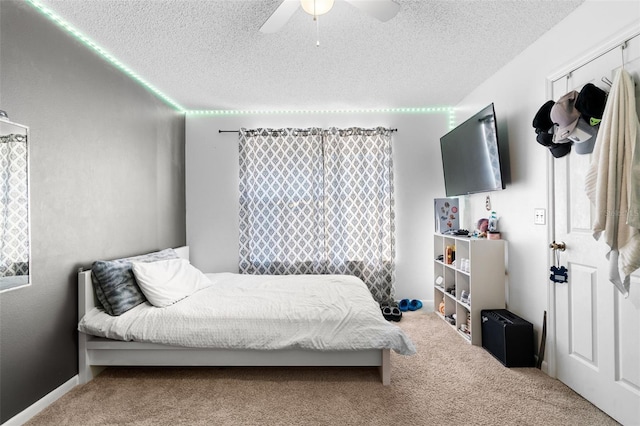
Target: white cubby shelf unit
(478, 271)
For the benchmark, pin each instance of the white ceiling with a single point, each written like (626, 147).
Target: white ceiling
(210, 54)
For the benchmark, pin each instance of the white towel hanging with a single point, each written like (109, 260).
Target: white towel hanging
(612, 182)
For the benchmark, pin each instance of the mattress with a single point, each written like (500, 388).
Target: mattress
(263, 312)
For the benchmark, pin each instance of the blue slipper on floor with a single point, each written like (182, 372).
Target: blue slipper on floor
(415, 304)
(404, 305)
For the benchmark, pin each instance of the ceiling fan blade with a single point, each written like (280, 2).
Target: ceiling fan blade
(382, 10)
(280, 16)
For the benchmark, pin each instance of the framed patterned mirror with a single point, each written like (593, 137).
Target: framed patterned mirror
(15, 241)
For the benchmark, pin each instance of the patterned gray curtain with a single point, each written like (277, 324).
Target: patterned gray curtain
(318, 201)
(14, 206)
(360, 207)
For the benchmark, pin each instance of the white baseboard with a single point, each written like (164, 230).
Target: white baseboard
(545, 367)
(42, 403)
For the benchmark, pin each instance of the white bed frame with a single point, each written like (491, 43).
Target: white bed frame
(97, 353)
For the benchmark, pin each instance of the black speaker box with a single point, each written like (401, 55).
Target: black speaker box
(508, 337)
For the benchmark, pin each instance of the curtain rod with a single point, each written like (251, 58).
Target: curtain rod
(238, 131)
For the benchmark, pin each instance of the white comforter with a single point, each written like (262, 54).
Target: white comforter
(319, 312)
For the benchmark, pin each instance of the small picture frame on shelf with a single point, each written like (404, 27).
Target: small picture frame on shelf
(447, 214)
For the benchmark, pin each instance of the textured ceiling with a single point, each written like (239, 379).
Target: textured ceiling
(210, 54)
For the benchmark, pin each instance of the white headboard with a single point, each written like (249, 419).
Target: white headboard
(87, 299)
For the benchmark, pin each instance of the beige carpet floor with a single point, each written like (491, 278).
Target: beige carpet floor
(448, 382)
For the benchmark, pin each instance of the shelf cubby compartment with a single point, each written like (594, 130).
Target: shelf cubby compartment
(450, 308)
(463, 290)
(438, 250)
(462, 317)
(462, 254)
(449, 278)
(438, 297)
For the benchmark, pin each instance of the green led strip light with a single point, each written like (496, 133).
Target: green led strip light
(450, 111)
(103, 53)
(452, 118)
(128, 71)
(420, 110)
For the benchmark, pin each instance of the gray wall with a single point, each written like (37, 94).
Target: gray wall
(107, 180)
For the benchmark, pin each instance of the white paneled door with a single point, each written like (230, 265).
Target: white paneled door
(597, 329)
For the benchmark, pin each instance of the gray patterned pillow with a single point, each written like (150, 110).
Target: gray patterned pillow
(114, 282)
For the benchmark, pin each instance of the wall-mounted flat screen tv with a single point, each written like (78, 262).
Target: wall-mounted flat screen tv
(471, 156)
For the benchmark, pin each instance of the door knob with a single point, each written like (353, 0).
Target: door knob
(558, 246)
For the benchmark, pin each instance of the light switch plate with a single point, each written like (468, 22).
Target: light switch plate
(539, 216)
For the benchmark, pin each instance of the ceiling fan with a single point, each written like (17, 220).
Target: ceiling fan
(382, 10)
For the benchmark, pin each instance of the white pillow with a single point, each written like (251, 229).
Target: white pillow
(166, 281)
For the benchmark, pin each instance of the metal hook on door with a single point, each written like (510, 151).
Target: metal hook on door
(606, 81)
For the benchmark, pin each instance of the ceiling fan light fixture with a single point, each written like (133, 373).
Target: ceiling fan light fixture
(316, 7)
